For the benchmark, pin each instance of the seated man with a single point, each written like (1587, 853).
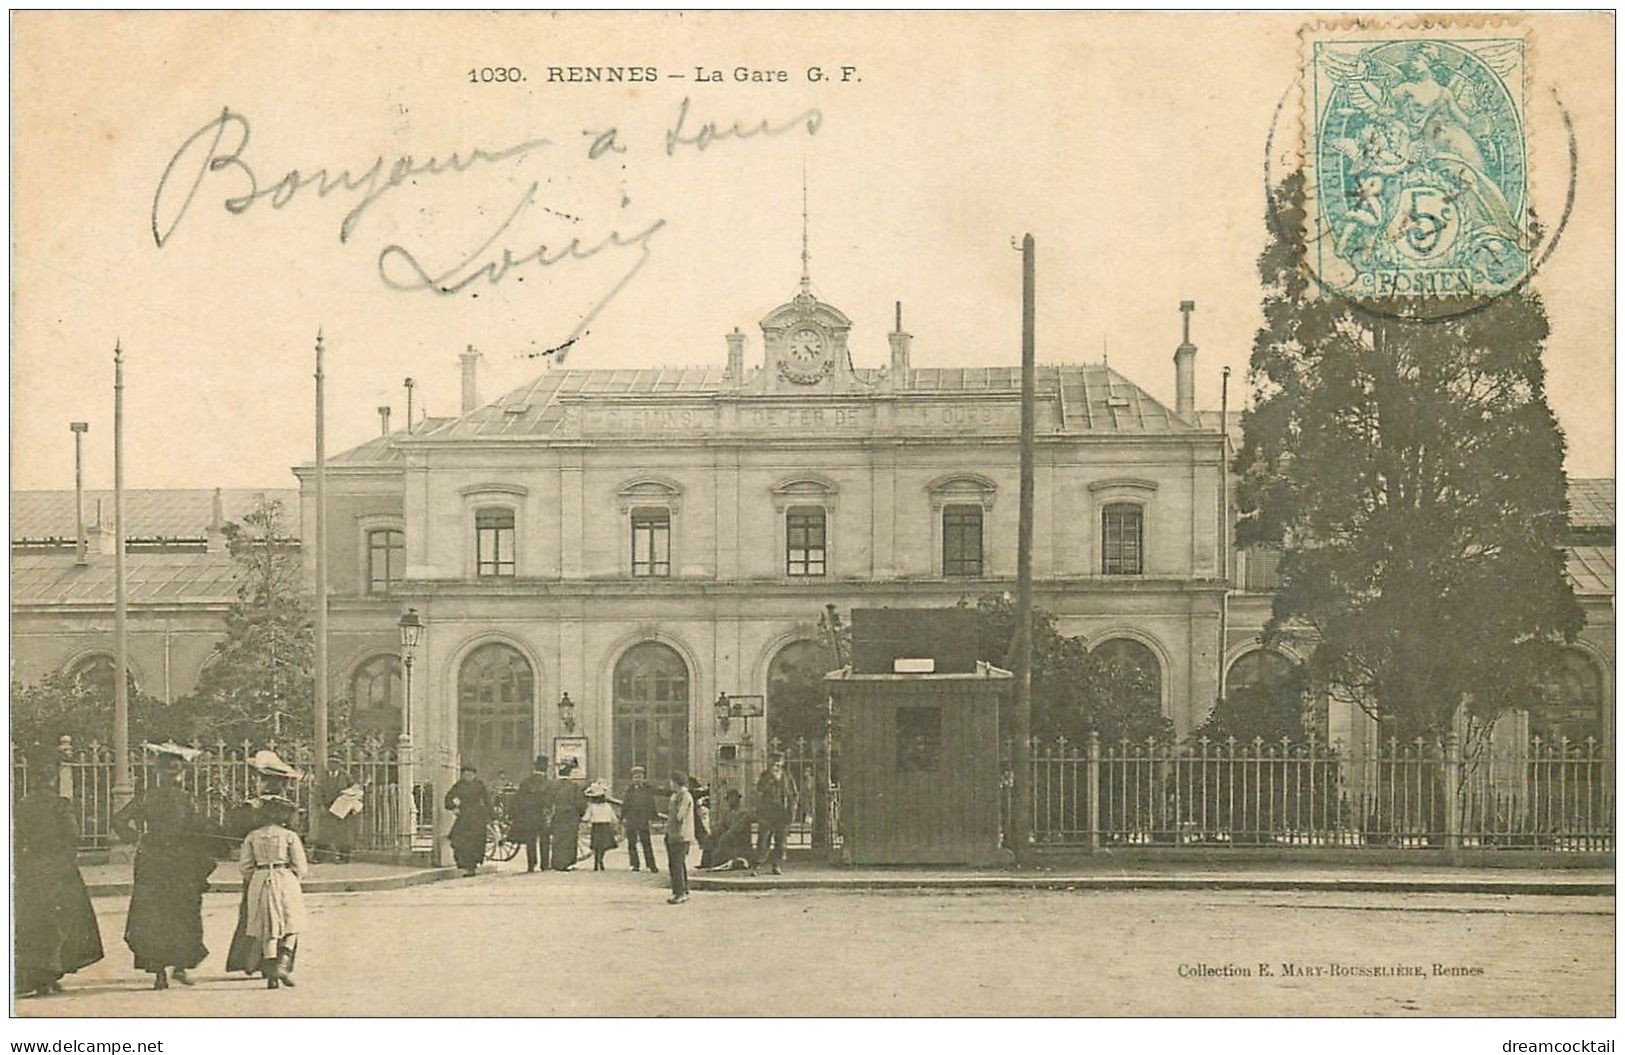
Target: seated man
(730, 846)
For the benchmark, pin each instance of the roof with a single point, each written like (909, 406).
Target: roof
(1591, 569)
(1591, 502)
(150, 578)
(149, 514)
(1094, 398)
(381, 450)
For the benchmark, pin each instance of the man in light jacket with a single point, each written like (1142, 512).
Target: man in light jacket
(679, 834)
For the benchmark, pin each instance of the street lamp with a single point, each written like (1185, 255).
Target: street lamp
(411, 628)
(723, 711)
(567, 713)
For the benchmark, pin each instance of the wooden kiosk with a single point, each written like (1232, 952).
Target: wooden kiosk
(919, 743)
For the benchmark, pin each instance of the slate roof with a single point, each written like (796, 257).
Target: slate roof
(1591, 502)
(150, 578)
(380, 450)
(1591, 569)
(149, 513)
(1094, 398)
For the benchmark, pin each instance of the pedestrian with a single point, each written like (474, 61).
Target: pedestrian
(275, 777)
(638, 808)
(730, 835)
(472, 804)
(529, 818)
(164, 928)
(568, 806)
(338, 815)
(776, 799)
(56, 926)
(272, 860)
(679, 837)
(601, 817)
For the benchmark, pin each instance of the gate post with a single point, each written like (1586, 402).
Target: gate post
(1452, 798)
(1092, 790)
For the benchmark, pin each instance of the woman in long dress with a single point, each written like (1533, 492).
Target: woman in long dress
(568, 805)
(56, 926)
(472, 803)
(273, 862)
(276, 777)
(165, 925)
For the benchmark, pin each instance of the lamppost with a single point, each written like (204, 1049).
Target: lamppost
(411, 627)
(567, 714)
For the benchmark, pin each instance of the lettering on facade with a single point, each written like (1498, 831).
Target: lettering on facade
(804, 417)
(635, 420)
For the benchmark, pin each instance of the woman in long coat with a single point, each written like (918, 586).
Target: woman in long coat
(165, 925)
(276, 777)
(472, 804)
(56, 926)
(272, 860)
(568, 805)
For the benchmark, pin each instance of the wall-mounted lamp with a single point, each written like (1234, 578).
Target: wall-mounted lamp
(567, 713)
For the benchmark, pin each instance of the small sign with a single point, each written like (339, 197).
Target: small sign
(750, 706)
(925, 665)
(570, 757)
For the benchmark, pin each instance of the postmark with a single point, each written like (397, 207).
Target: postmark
(1416, 161)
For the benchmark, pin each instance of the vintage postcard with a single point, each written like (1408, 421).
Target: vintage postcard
(841, 514)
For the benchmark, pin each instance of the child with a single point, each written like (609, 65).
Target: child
(601, 815)
(273, 862)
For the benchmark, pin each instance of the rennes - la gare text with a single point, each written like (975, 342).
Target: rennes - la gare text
(738, 74)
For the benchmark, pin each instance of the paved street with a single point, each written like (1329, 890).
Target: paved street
(505, 943)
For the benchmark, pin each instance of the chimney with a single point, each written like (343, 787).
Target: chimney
(471, 392)
(900, 376)
(1185, 368)
(383, 420)
(216, 534)
(736, 357)
(102, 533)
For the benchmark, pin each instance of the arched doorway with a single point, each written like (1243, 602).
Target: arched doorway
(1128, 676)
(650, 711)
(797, 701)
(1273, 692)
(496, 730)
(375, 698)
(1572, 704)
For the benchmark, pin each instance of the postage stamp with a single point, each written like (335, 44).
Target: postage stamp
(1416, 164)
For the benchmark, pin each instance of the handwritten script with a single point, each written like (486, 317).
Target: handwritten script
(215, 160)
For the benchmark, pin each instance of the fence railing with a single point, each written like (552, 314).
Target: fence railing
(1552, 795)
(221, 780)
(813, 766)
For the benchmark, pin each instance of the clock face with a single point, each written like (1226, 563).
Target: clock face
(805, 347)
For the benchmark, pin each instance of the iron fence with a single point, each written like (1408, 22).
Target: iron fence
(814, 767)
(1554, 795)
(221, 780)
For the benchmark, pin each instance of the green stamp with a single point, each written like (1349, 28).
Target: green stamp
(1418, 173)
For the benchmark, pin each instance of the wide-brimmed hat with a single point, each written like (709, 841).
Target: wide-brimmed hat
(170, 752)
(598, 789)
(268, 763)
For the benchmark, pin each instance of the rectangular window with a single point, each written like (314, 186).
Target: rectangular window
(919, 739)
(1261, 567)
(651, 543)
(386, 559)
(493, 532)
(962, 541)
(1120, 537)
(804, 542)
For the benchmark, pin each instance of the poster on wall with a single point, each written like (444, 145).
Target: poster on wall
(570, 757)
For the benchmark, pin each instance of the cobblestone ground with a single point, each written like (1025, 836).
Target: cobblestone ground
(463, 946)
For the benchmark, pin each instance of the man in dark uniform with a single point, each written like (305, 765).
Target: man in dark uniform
(528, 824)
(638, 808)
(776, 799)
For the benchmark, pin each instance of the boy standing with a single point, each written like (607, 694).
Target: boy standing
(638, 808)
(679, 834)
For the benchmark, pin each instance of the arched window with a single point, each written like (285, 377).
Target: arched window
(797, 701)
(496, 692)
(94, 674)
(1131, 673)
(375, 696)
(1572, 703)
(1276, 690)
(651, 711)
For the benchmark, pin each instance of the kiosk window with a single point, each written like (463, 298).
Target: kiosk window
(919, 739)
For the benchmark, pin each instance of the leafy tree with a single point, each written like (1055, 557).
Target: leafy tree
(260, 680)
(1413, 474)
(81, 706)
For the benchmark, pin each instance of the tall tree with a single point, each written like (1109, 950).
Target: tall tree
(1413, 474)
(259, 682)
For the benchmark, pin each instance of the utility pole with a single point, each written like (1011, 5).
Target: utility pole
(123, 789)
(1022, 726)
(319, 697)
(79, 428)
